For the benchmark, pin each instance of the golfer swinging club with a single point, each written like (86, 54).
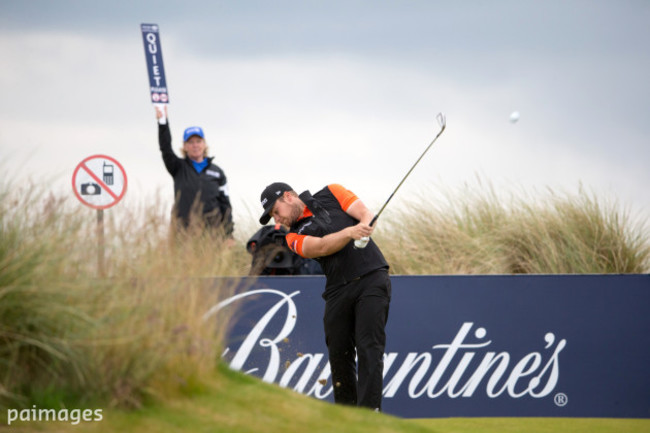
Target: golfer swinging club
(358, 289)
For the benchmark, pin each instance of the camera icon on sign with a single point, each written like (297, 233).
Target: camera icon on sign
(90, 188)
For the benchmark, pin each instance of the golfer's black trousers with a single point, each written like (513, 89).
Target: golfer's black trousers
(355, 318)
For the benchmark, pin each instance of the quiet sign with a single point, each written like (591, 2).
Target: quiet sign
(155, 67)
(99, 181)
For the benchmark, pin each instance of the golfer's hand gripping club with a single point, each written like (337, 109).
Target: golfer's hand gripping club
(363, 242)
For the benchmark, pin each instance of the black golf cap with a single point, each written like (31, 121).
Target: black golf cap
(269, 196)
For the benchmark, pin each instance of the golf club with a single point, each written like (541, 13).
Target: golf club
(442, 121)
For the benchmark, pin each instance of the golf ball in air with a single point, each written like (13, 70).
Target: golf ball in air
(514, 116)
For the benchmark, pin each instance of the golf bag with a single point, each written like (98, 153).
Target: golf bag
(272, 256)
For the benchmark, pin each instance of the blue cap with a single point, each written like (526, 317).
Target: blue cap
(192, 130)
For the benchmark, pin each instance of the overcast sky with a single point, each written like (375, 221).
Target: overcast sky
(315, 92)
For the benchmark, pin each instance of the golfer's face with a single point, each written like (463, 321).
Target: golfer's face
(284, 212)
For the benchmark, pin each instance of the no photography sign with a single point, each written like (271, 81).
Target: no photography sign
(99, 181)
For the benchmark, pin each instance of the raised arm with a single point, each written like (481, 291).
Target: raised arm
(165, 143)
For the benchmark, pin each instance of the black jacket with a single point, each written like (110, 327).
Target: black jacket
(207, 190)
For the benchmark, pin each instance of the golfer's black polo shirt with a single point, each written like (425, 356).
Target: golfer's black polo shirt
(326, 213)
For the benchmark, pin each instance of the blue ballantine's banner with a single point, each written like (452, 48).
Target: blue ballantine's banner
(155, 67)
(466, 346)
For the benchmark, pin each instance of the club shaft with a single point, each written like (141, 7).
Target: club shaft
(374, 219)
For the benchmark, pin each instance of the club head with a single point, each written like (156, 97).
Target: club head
(442, 120)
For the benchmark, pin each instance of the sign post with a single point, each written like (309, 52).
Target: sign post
(100, 242)
(155, 67)
(99, 182)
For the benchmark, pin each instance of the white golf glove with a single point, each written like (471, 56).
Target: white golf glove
(361, 243)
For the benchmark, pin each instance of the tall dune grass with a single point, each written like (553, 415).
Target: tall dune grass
(67, 333)
(476, 231)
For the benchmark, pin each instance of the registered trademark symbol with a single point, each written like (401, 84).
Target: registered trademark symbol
(561, 399)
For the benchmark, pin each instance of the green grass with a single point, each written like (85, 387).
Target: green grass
(234, 403)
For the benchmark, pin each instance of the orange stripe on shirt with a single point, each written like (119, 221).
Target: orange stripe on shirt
(345, 197)
(305, 213)
(295, 241)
